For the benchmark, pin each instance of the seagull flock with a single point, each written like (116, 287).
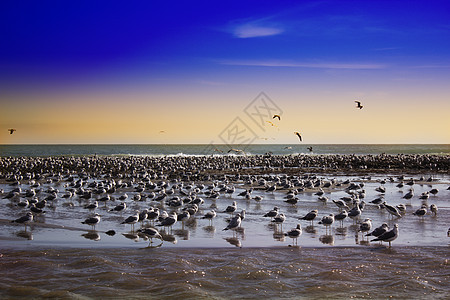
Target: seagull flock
(158, 194)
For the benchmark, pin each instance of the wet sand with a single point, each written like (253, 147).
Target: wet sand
(78, 249)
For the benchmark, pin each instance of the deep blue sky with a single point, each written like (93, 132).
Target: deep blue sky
(60, 38)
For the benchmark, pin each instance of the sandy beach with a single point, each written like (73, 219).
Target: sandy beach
(199, 184)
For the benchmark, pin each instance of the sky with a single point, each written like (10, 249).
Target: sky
(156, 72)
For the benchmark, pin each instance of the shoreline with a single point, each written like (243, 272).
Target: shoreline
(320, 163)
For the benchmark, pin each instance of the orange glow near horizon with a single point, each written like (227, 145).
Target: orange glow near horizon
(143, 119)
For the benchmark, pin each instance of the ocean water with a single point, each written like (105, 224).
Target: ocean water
(205, 149)
(58, 257)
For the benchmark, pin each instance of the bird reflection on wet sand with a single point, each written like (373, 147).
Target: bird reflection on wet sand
(91, 235)
(25, 234)
(311, 229)
(234, 241)
(211, 230)
(168, 237)
(327, 239)
(132, 236)
(182, 233)
(341, 231)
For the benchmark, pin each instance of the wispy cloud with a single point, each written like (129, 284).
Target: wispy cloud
(251, 30)
(326, 65)
(431, 67)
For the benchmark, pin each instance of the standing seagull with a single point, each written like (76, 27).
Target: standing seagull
(310, 216)
(231, 208)
(298, 134)
(388, 236)
(24, 219)
(365, 226)
(341, 217)
(151, 233)
(273, 213)
(133, 219)
(379, 230)
(358, 104)
(294, 233)
(327, 221)
(11, 130)
(234, 223)
(210, 215)
(421, 211)
(170, 220)
(92, 221)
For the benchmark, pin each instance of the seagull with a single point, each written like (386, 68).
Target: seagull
(132, 220)
(236, 150)
(327, 220)
(92, 221)
(91, 205)
(170, 220)
(341, 216)
(24, 219)
(235, 223)
(151, 233)
(388, 236)
(298, 134)
(294, 233)
(379, 230)
(310, 216)
(210, 216)
(122, 206)
(392, 210)
(410, 194)
(365, 226)
(358, 104)
(182, 217)
(421, 211)
(276, 116)
(433, 209)
(434, 191)
(11, 130)
(231, 208)
(36, 210)
(310, 149)
(153, 214)
(355, 213)
(273, 213)
(341, 204)
(143, 216)
(279, 219)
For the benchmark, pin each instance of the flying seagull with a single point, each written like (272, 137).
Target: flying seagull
(11, 130)
(276, 116)
(358, 104)
(298, 134)
(310, 149)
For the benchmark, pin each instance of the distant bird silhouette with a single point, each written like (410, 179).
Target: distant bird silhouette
(11, 130)
(298, 134)
(271, 123)
(236, 150)
(310, 149)
(276, 116)
(358, 104)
